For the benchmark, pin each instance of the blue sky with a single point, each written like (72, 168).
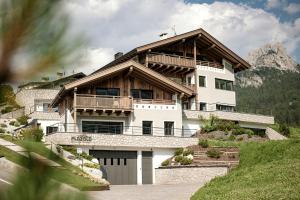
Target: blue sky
(121, 25)
(278, 11)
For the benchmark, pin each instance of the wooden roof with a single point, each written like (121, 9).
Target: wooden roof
(132, 65)
(241, 64)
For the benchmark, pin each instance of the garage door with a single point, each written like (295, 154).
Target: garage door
(119, 167)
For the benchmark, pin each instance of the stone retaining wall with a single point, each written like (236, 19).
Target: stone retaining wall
(184, 175)
(122, 140)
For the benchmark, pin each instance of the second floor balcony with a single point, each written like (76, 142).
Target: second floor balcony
(98, 102)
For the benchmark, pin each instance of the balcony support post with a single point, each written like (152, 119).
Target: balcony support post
(75, 109)
(195, 73)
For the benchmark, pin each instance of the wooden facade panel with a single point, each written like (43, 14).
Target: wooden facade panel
(125, 84)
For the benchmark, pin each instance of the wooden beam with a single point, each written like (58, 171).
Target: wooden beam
(211, 47)
(129, 72)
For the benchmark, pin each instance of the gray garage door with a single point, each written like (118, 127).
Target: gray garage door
(119, 167)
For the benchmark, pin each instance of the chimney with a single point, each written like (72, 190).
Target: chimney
(118, 55)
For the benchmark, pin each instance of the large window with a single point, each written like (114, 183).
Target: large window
(225, 108)
(202, 81)
(147, 127)
(102, 127)
(169, 128)
(108, 91)
(46, 107)
(141, 94)
(224, 84)
(51, 129)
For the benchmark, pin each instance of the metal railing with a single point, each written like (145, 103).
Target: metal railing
(209, 64)
(155, 101)
(105, 102)
(121, 129)
(237, 109)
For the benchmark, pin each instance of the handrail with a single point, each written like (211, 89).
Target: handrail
(171, 60)
(120, 129)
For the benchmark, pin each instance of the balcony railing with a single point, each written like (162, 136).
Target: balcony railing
(210, 64)
(155, 101)
(103, 102)
(173, 60)
(120, 129)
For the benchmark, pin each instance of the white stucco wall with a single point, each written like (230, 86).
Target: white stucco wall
(45, 123)
(160, 155)
(209, 94)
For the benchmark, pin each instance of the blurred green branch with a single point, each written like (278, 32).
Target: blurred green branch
(34, 37)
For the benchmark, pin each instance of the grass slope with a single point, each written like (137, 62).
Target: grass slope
(268, 170)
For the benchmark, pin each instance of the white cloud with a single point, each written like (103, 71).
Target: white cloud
(119, 25)
(273, 4)
(292, 8)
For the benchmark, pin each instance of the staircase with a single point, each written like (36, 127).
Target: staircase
(229, 157)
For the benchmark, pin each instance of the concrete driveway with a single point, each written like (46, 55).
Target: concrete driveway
(147, 192)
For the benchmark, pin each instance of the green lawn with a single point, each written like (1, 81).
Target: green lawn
(267, 170)
(67, 173)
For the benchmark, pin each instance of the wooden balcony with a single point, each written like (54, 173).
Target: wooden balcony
(101, 104)
(170, 60)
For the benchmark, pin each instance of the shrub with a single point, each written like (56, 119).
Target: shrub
(224, 125)
(203, 143)
(86, 156)
(23, 120)
(165, 163)
(16, 124)
(186, 161)
(2, 130)
(284, 129)
(238, 131)
(208, 128)
(188, 152)
(249, 132)
(178, 158)
(12, 123)
(231, 137)
(6, 109)
(92, 165)
(3, 125)
(213, 153)
(59, 149)
(178, 151)
(34, 134)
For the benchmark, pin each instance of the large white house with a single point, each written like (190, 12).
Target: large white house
(134, 112)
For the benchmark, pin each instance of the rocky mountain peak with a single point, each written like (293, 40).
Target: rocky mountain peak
(272, 55)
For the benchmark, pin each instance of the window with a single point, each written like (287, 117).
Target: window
(147, 127)
(119, 161)
(51, 129)
(169, 128)
(224, 84)
(189, 80)
(135, 93)
(125, 161)
(141, 94)
(202, 81)
(102, 127)
(202, 106)
(104, 161)
(108, 91)
(225, 107)
(46, 107)
(146, 94)
(111, 161)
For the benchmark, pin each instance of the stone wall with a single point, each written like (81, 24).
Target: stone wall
(122, 140)
(13, 115)
(26, 97)
(234, 116)
(188, 174)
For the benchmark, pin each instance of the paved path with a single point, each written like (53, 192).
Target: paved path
(146, 192)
